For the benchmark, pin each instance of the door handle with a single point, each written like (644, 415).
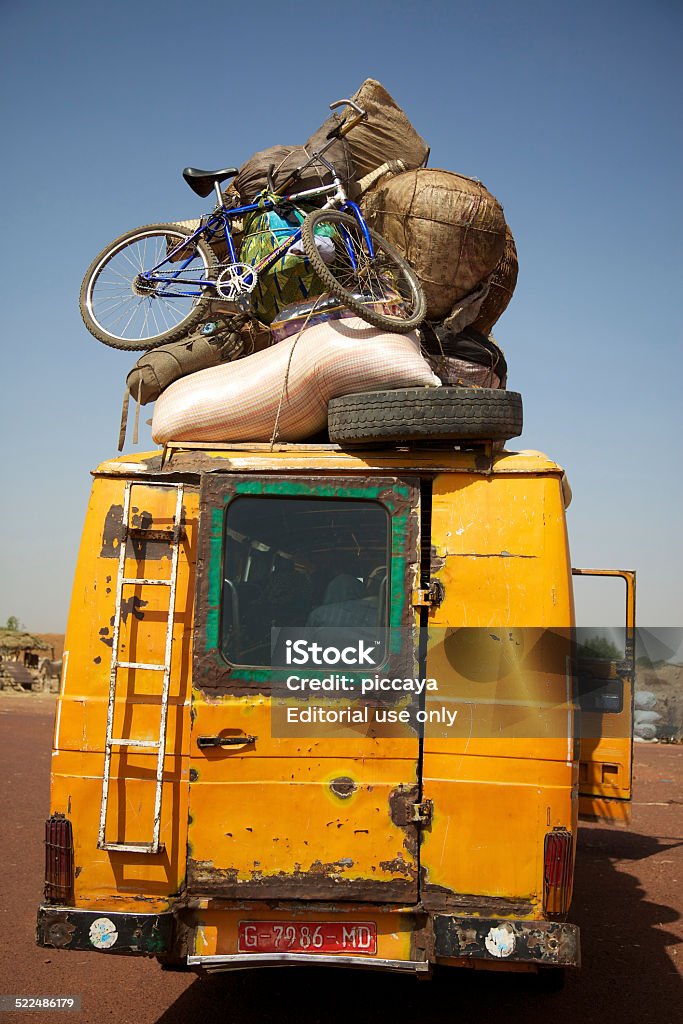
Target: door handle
(204, 742)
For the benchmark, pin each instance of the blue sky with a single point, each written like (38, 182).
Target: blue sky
(568, 113)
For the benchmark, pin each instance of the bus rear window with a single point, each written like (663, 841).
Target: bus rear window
(300, 562)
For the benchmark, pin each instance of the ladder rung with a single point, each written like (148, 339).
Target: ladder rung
(134, 743)
(151, 583)
(171, 538)
(139, 664)
(133, 847)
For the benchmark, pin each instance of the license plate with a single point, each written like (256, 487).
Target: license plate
(307, 937)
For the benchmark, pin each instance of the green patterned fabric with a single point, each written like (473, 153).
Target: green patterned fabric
(291, 279)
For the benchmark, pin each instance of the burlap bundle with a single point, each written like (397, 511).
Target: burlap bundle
(217, 341)
(501, 287)
(253, 174)
(450, 229)
(386, 135)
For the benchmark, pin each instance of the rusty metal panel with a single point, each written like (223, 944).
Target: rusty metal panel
(288, 817)
(546, 943)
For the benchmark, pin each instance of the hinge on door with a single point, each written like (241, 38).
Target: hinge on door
(431, 597)
(422, 812)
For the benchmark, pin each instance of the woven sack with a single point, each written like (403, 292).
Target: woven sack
(252, 178)
(468, 359)
(450, 229)
(285, 390)
(386, 135)
(501, 287)
(215, 342)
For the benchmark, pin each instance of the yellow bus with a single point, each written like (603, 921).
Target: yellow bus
(211, 806)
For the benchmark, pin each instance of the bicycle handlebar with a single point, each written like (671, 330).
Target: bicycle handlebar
(337, 133)
(347, 103)
(346, 126)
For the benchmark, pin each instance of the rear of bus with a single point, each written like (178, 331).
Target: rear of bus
(317, 708)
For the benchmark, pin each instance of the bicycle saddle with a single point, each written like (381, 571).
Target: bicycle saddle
(201, 182)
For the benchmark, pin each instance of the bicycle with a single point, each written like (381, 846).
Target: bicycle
(134, 300)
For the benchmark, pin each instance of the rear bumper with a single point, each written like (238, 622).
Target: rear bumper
(71, 928)
(243, 961)
(449, 938)
(546, 943)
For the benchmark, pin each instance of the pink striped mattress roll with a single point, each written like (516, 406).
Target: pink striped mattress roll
(238, 401)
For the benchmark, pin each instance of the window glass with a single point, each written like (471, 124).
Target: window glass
(300, 562)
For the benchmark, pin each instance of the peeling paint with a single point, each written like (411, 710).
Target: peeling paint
(60, 931)
(439, 898)
(343, 787)
(111, 533)
(319, 881)
(399, 866)
(541, 942)
(133, 605)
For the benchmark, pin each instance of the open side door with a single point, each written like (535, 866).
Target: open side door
(605, 695)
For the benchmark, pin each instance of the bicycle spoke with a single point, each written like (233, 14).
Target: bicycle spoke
(160, 309)
(366, 272)
(112, 308)
(176, 309)
(128, 259)
(147, 306)
(131, 307)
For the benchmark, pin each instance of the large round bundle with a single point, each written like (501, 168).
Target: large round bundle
(450, 229)
(502, 285)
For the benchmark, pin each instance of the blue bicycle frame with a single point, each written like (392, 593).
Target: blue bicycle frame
(222, 218)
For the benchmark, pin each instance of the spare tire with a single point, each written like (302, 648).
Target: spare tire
(412, 414)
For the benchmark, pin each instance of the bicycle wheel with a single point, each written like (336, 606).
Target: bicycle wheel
(124, 310)
(383, 290)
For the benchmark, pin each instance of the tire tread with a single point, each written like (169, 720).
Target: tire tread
(413, 413)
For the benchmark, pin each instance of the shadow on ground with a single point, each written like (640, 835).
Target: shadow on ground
(627, 975)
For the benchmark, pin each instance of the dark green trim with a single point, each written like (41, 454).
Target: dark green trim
(399, 497)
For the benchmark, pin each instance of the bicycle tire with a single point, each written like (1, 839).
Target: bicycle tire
(385, 278)
(177, 319)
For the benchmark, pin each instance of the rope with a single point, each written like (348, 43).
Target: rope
(289, 363)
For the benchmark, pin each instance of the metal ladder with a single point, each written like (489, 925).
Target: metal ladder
(129, 531)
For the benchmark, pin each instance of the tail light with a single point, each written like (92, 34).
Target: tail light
(558, 871)
(59, 860)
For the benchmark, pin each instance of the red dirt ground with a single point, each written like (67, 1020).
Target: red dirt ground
(628, 902)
